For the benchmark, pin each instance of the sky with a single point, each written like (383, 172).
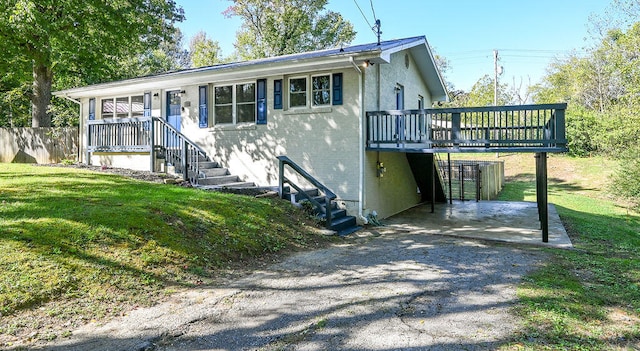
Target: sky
(528, 34)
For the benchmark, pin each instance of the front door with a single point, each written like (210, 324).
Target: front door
(174, 109)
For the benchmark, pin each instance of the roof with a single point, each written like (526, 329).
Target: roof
(285, 64)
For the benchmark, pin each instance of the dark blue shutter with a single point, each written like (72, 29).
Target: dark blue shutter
(146, 101)
(261, 102)
(337, 88)
(277, 94)
(92, 109)
(202, 107)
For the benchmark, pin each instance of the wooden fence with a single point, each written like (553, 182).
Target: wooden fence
(38, 145)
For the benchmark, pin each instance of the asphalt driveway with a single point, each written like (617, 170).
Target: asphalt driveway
(397, 287)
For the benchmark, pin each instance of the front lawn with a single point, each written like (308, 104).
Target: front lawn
(79, 245)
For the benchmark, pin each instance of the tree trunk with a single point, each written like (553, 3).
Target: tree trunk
(42, 78)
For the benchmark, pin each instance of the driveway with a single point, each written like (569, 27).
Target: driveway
(396, 287)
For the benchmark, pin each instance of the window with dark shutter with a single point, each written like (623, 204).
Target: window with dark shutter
(337, 88)
(92, 109)
(203, 118)
(277, 94)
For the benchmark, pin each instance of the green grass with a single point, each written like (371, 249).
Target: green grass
(587, 298)
(82, 245)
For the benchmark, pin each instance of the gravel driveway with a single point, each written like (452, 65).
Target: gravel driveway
(382, 290)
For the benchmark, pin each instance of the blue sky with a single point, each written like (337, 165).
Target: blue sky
(528, 34)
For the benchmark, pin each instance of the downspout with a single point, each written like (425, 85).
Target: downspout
(80, 125)
(361, 217)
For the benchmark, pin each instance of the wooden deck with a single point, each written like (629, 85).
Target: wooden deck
(523, 128)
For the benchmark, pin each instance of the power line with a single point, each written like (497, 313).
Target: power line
(375, 18)
(363, 15)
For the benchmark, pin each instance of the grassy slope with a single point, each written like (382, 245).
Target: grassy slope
(78, 245)
(587, 298)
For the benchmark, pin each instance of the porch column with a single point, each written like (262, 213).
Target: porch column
(541, 194)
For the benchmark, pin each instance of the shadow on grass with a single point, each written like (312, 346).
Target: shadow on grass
(409, 291)
(153, 233)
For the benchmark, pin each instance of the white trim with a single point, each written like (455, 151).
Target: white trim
(306, 100)
(234, 102)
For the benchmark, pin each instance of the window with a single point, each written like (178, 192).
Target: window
(92, 109)
(420, 102)
(235, 103)
(321, 90)
(399, 97)
(298, 92)
(123, 107)
(324, 90)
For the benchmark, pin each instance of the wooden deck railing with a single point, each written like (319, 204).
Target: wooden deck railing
(524, 128)
(146, 134)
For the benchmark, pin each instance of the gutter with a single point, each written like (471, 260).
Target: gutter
(361, 217)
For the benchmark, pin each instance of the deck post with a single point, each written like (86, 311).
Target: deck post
(541, 194)
(434, 174)
(450, 176)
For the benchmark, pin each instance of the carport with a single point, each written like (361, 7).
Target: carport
(420, 134)
(502, 221)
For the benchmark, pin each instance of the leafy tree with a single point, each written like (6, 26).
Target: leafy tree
(83, 37)
(204, 51)
(280, 27)
(482, 94)
(169, 55)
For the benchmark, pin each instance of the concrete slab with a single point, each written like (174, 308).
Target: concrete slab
(506, 221)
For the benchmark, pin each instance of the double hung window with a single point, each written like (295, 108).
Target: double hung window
(234, 104)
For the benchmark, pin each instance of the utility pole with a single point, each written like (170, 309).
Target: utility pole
(495, 80)
(495, 96)
(376, 29)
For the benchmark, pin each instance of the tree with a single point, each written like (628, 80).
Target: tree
(169, 55)
(280, 27)
(204, 51)
(482, 94)
(50, 37)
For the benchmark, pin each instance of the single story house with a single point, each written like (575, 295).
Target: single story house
(357, 119)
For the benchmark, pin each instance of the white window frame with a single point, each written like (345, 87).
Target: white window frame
(309, 91)
(234, 103)
(114, 100)
(307, 82)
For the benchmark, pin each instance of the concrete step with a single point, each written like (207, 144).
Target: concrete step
(234, 185)
(214, 172)
(208, 164)
(219, 180)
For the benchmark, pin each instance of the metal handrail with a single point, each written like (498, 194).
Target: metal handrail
(328, 194)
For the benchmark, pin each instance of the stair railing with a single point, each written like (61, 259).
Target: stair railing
(178, 150)
(329, 196)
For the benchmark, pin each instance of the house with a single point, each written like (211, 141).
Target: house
(357, 120)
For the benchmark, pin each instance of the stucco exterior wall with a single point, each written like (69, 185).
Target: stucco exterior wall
(323, 140)
(396, 190)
